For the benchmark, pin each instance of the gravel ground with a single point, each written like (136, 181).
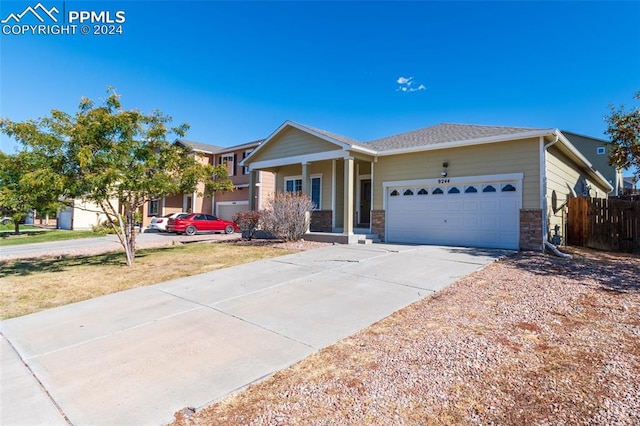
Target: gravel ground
(531, 339)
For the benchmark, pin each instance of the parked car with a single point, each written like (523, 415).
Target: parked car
(160, 223)
(193, 223)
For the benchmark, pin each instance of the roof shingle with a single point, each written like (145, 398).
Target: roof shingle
(441, 133)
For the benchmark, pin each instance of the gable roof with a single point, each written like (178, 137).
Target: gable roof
(341, 141)
(447, 133)
(241, 146)
(199, 146)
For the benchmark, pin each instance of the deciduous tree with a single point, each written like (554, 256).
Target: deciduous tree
(624, 132)
(27, 183)
(117, 158)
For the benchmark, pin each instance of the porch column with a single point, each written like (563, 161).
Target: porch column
(252, 190)
(334, 194)
(348, 196)
(305, 179)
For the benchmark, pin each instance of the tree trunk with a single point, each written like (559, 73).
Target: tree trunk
(16, 227)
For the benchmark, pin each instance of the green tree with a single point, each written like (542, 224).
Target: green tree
(27, 183)
(624, 132)
(117, 158)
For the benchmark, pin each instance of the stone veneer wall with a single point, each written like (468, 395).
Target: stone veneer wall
(377, 223)
(531, 229)
(321, 221)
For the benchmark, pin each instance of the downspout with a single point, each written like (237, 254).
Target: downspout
(543, 185)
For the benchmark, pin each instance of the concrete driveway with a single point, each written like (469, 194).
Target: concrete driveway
(138, 356)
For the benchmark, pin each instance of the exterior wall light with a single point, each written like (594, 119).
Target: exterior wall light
(444, 171)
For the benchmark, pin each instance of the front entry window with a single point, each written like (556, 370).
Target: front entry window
(295, 185)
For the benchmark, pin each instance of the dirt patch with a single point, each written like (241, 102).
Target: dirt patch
(531, 339)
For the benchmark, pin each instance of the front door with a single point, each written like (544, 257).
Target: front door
(365, 202)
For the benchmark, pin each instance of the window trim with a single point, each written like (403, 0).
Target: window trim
(245, 154)
(157, 209)
(223, 161)
(311, 177)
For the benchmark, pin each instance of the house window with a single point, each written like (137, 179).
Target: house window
(423, 192)
(316, 190)
(154, 206)
(470, 190)
(245, 169)
(489, 188)
(454, 190)
(508, 188)
(294, 184)
(394, 193)
(408, 192)
(228, 161)
(601, 150)
(437, 191)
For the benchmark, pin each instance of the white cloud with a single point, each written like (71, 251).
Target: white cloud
(405, 83)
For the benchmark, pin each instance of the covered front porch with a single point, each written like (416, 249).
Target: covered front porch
(336, 175)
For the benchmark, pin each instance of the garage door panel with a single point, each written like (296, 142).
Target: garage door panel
(472, 219)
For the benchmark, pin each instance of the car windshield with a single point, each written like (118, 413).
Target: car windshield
(182, 216)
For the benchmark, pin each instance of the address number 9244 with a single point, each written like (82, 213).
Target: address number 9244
(444, 180)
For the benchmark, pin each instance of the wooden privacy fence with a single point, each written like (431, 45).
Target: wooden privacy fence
(604, 224)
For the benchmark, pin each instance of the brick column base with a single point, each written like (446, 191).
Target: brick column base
(378, 222)
(531, 230)
(321, 221)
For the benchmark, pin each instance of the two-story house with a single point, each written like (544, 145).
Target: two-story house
(223, 204)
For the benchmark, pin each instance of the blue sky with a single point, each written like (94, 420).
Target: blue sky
(236, 70)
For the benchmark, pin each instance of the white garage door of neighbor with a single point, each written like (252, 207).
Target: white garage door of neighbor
(226, 211)
(475, 214)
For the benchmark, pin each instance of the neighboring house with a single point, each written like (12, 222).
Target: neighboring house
(629, 185)
(595, 150)
(224, 204)
(80, 215)
(450, 184)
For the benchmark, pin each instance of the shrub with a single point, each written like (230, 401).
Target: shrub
(103, 228)
(247, 222)
(286, 217)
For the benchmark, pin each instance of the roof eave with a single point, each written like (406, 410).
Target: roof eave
(305, 129)
(468, 142)
(588, 167)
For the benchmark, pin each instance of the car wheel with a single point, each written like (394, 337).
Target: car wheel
(228, 229)
(191, 230)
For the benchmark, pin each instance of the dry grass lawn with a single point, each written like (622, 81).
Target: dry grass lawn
(28, 286)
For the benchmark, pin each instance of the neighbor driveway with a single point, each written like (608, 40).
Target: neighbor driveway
(138, 356)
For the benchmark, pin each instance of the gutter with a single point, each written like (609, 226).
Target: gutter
(543, 182)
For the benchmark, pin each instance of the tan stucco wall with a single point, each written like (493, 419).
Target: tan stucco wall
(292, 142)
(87, 214)
(521, 156)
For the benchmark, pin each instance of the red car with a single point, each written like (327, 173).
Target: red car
(193, 223)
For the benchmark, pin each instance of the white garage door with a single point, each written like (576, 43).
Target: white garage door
(229, 208)
(480, 213)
